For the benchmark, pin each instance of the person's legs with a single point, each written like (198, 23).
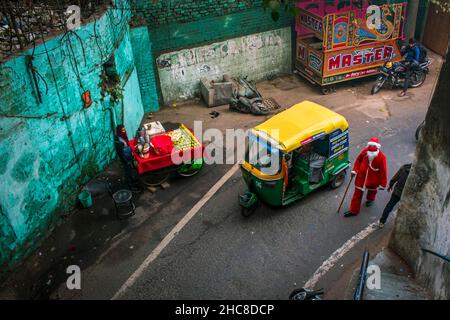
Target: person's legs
(355, 205)
(371, 195)
(130, 180)
(389, 206)
(407, 77)
(406, 83)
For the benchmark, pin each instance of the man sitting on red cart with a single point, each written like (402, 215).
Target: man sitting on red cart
(371, 175)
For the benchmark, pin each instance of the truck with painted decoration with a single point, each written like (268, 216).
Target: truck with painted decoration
(344, 40)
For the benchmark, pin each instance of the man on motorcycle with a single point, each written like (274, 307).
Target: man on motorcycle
(411, 62)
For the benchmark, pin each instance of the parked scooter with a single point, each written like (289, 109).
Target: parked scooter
(247, 99)
(394, 75)
(306, 294)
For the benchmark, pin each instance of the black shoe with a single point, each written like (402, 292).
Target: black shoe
(369, 203)
(349, 214)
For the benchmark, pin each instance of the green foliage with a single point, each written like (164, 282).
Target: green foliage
(443, 4)
(112, 86)
(276, 5)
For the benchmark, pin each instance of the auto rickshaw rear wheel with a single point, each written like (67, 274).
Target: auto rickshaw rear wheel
(339, 179)
(247, 212)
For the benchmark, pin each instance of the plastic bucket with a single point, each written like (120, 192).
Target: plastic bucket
(85, 198)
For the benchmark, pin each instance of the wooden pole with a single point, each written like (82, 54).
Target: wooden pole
(345, 193)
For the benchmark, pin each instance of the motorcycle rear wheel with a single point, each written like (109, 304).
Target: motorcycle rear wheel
(417, 79)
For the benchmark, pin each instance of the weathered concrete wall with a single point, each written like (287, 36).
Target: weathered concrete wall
(257, 56)
(49, 149)
(423, 219)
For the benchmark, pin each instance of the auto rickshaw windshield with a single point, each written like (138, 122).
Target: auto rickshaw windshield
(263, 156)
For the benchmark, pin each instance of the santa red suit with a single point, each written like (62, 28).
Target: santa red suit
(371, 175)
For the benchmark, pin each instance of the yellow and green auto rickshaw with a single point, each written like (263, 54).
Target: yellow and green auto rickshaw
(292, 154)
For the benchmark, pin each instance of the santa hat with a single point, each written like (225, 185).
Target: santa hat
(374, 144)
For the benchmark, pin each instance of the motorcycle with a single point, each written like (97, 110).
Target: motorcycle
(247, 99)
(394, 75)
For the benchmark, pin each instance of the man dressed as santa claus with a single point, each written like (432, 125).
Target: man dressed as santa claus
(371, 175)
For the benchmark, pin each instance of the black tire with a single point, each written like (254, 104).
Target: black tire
(327, 90)
(377, 86)
(189, 173)
(153, 179)
(417, 79)
(247, 212)
(338, 180)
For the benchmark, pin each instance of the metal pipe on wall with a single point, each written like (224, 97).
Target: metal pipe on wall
(362, 277)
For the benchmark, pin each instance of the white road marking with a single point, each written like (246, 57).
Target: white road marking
(339, 253)
(171, 235)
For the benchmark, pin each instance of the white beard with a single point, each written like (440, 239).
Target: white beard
(372, 155)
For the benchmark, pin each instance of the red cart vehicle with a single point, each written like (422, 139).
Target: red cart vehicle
(170, 151)
(344, 40)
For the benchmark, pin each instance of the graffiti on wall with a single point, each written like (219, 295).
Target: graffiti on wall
(254, 56)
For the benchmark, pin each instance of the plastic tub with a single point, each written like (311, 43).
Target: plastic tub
(85, 198)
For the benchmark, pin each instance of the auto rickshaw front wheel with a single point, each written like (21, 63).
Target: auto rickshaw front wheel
(338, 179)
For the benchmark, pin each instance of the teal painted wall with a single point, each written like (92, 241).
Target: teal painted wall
(421, 19)
(143, 57)
(133, 110)
(49, 150)
(175, 35)
(159, 12)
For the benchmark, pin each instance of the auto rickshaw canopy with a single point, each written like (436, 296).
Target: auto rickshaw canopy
(300, 124)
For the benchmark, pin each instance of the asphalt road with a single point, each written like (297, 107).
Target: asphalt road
(221, 255)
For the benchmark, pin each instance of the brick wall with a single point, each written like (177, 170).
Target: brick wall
(157, 13)
(176, 24)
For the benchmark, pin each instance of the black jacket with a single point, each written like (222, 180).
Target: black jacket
(399, 179)
(123, 150)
